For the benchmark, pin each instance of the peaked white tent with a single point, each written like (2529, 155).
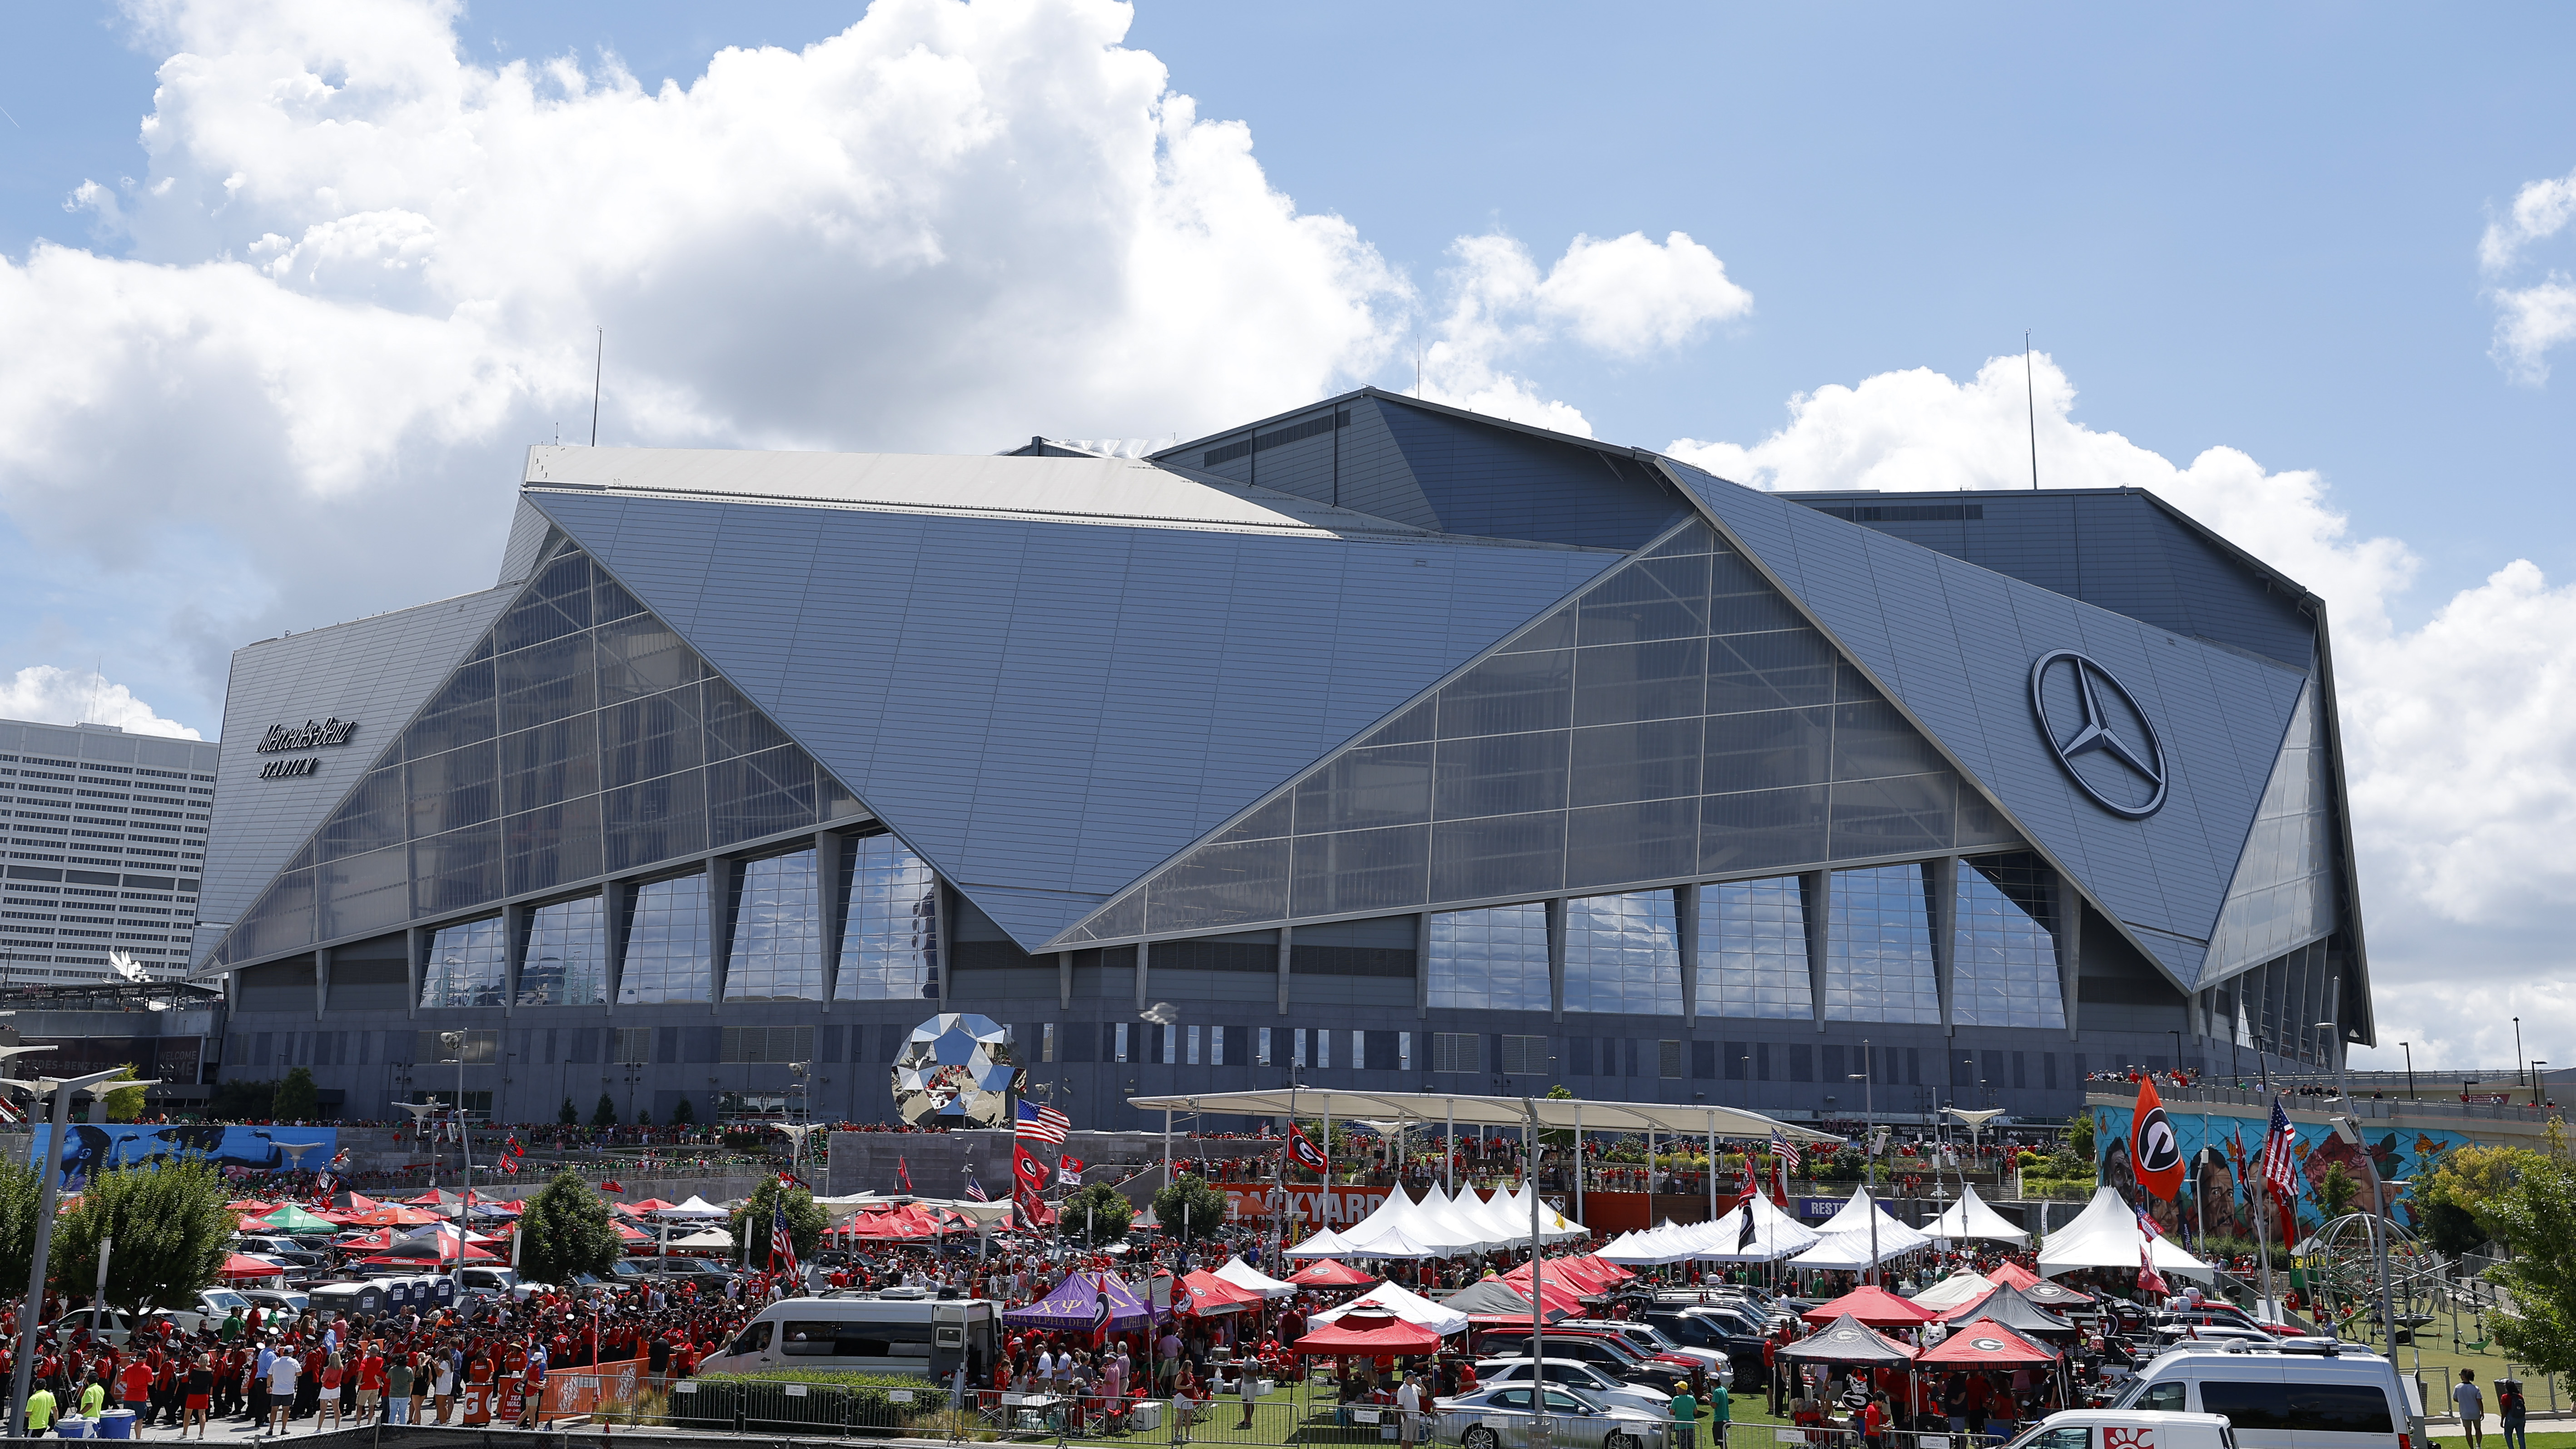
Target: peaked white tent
(1325, 1244)
(1405, 1304)
(1493, 1216)
(1969, 1217)
(1847, 1239)
(696, 1209)
(1243, 1275)
(1553, 1226)
(1388, 1232)
(2105, 1235)
(1956, 1291)
(1448, 1224)
(1776, 1235)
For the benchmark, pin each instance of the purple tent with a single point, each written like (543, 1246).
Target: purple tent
(1081, 1302)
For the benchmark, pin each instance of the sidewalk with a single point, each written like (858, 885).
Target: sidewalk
(2448, 1426)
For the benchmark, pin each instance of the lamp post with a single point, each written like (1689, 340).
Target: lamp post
(2348, 1128)
(49, 1189)
(1868, 1157)
(465, 1161)
(2537, 1092)
(420, 1114)
(2517, 1049)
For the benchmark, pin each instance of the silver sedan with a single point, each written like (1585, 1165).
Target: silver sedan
(1500, 1416)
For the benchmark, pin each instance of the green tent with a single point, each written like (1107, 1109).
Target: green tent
(293, 1219)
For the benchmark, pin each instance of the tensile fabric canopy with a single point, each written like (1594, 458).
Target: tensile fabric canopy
(1956, 1291)
(1984, 1345)
(2013, 1275)
(1243, 1275)
(1494, 1298)
(1848, 1340)
(1872, 1305)
(1205, 1295)
(2007, 1306)
(1368, 1334)
(1082, 1302)
(1328, 1273)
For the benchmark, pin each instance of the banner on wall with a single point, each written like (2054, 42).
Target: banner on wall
(1315, 1206)
(2204, 1142)
(89, 1149)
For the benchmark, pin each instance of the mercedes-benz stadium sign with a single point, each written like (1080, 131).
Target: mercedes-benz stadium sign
(2098, 731)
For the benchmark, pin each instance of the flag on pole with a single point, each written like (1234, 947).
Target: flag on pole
(903, 1174)
(1068, 1170)
(782, 1244)
(1785, 1150)
(1042, 1124)
(1029, 1170)
(2148, 1278)
(975, 1189)
(2155, 1149)
(2280, 1155)
(1303, 1151)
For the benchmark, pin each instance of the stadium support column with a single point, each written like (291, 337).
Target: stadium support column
(722, 874)
(321, 983)
(1941, 917)
(514, 953)
(1064, 980)
(828, 848)
(617, 913)
(1287, 957)
(2070, 945)
(415, 953)
(1422, 964)
(1556, 959)
(1686, 936)
(1815, 897)
(1144, 951)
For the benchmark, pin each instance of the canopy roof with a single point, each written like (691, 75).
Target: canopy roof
(1956, 1291)
(2013, 1275)
(1552, 1112)
(238, 1266)
(1372, 1333)
(1076, 1304)
(1394, 1298)
(1494, 1298)
(1848, 1340)
(1327, 1273)
(1985, 1345)
(293, 1219)
(1206, 1295)
(1872, 1305)
(1849, 1242)
(1969, 1217)
(2105, 1235)
(1243, 1275)
(2007, 1307)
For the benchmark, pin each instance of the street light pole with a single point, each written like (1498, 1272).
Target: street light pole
(48, 1191)
(2517, 1049)
(2409, 1049)
(2348, 1127)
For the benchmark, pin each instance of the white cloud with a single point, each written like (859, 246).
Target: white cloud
(2533, 319)
(2459, 754)
(48, 695)
(363, 271)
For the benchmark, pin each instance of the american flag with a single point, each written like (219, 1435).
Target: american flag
(975, 1189)
(2280, 1163)
(782, 1244)
(1785, 1150)
(1043, 1124)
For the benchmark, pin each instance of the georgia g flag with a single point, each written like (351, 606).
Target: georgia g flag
(1303, 1151)
(1028, 1169)
(2155, 1152)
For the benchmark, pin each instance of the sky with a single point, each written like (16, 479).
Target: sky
(288, 289)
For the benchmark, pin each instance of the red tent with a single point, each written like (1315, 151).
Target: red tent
(1982, 1345)
(1330, 1273)
(237, 1266)
(393, 1216)
(1205, 1295)
(1872, 1305)
(2012, 1275)
(1562, 1276)
(1368, 1333)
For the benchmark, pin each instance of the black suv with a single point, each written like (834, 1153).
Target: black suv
(704, 1273)
(1700, 1328)
(1604, 1349)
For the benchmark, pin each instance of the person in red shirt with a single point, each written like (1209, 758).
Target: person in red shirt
(371, 1379)
(134, 1386)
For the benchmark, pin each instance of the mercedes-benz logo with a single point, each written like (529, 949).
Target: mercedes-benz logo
(2107, 721)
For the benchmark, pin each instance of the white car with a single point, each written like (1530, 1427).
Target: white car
(1500, 1417)
(1575, 1374)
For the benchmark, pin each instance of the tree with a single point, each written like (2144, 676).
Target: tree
(125, 1104)
(239, 1101)
(1095, 1215)
(605, 1114)
(170, 1230)
(806, 1220)
(2079, 1138)
(2336, 1190)
(1188, 1209)
(2471, 1178)
(2537, 1215)
(568, 1114)
(683, 1114)
(566, 1230)
(644, 1118)
(19, 1187)
(296, 1099)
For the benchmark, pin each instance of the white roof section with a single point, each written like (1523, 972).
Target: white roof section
(1409, 1306)
(2105, 1235)
(1733, 1123)
(1119, 492)
(1849, 1240)
(1243, 1275)
(1969, 1217)
(1956, 1291)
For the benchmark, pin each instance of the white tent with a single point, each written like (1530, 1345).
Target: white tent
(705, 1238)
(1389, 1232)
(1439, 1219)
(1776, 1235)
(696, 1209)
(1848, 1238)
(1325, 1244)
(1956, 1291)
(1493, 1216)
(1243, 1275)
(1553, 1226)
(1409, 1306)
(1969, 1217)
(2105, 1235)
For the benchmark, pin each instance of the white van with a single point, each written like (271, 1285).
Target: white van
(900, 1331)
(2127, 1429)
(2293, 1397)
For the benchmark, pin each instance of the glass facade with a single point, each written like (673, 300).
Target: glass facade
(468, 965)
(1623, 953)
(890, 939)
(581, 737)
(1493, 959)
(667, 953)
(777, 932)
(2004, 963)
(1678, 719)
(1753, 950)
(566, 959)
(2283, 895)
(1878, 947)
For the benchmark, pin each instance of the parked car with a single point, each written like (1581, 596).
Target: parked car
(700, 1271)
(1708, 1329)
(2292, 1395)
(2127, 1429)
(1605, 1351)
(1580, 1376)
(1651, 1340)
(280, 1250)
(1498, 1417)
(276, 1300)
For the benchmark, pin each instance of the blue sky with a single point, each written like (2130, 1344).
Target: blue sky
(2250, 230)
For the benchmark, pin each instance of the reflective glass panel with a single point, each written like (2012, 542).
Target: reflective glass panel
(2004, 956)
(468, 965)
(1623, 953)
(1878, 948)
(566, 963)
(2283, 893)
(1491, 960)
(890, 939)
(666, 944)
(777, 932)
(1753, 950)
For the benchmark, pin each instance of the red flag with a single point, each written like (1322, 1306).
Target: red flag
(1303, 1151)
(2155, 1151)
(610, 1184)
(903, 1174)
(1031, 1172)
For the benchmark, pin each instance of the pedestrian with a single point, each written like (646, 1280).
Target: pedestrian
(283, 1369)
(200, 1389)
(40, 1411)
(2472, 1408)
(329, 1402)
(2509, 1408)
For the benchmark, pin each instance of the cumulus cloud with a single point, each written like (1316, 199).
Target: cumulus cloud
(2535, 318)
(1626, 297)
(360, 271)
(2461, 765)
(48, 695)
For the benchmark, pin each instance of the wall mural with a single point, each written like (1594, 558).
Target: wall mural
(2211, 1194)
(91, 1149)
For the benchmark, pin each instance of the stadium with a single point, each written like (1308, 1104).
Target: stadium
(1376, 745)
